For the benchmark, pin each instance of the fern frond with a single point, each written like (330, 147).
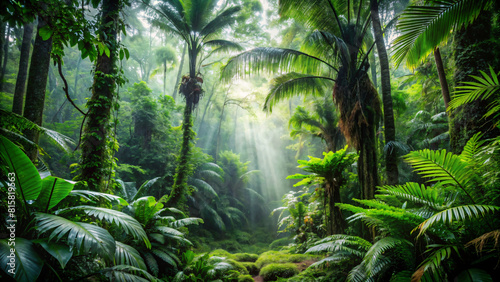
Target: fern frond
(442, 166)
(416, 193)
(456, 214)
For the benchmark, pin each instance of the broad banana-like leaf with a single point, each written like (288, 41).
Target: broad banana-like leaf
(474, 275)
(59, 251)
(54, 190)
(26, 177)
(27, 263)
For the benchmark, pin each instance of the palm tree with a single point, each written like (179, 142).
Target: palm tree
(197, 23)
(322, 123)
(335, 54)
(424, 28)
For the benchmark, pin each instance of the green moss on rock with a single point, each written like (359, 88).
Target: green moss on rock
(282, 257)
(251, 267)
(246, 257)
(245, 278)
(274, 271)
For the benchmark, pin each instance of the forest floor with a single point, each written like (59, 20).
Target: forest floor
(301, 265)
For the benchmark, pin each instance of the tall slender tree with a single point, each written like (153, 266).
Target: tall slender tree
(197, 23)
(391, 164)
(17, 105)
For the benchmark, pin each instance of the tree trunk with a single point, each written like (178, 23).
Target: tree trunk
(164, 77)
(391, 159)
(5, 59)
(442, 77)
(179, 74)
(2, 39)
(182, 171)
(336, 224)
(218, 133)
(37, 84)
(96, 160)
(17, 105)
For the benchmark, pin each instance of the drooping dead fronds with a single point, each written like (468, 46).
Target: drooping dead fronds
(482, 240)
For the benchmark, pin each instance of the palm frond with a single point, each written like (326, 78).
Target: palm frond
(145, 187)
(127, 273)
(125, 222)
(164, 257)
(96, 196)
(127, 255)
(433, 262)
(222, 20)
(151, 263)
(186, 221)
(456, 214)
(83, 237)
(423, 28)
(294, 84)
(203, 187)
(271, 60)
(481, 89)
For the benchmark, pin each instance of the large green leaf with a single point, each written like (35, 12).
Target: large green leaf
(27, 262)
(125, 222)
(126, 254)
(59, 251)
(127, 273)
(145, 209)
(54, 190)
(81, 236)
(27, 179)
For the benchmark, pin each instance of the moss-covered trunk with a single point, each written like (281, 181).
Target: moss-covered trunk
(96, 160)
(182, 171)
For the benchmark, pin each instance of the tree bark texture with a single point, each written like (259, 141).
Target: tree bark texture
(22, 74)
(5, 59)
(96, 160)
(442, 77)
(391, 158)
(336, 221)
(37, 84)
(179, 74)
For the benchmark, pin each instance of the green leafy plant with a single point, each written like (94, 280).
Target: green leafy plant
(55, 231)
